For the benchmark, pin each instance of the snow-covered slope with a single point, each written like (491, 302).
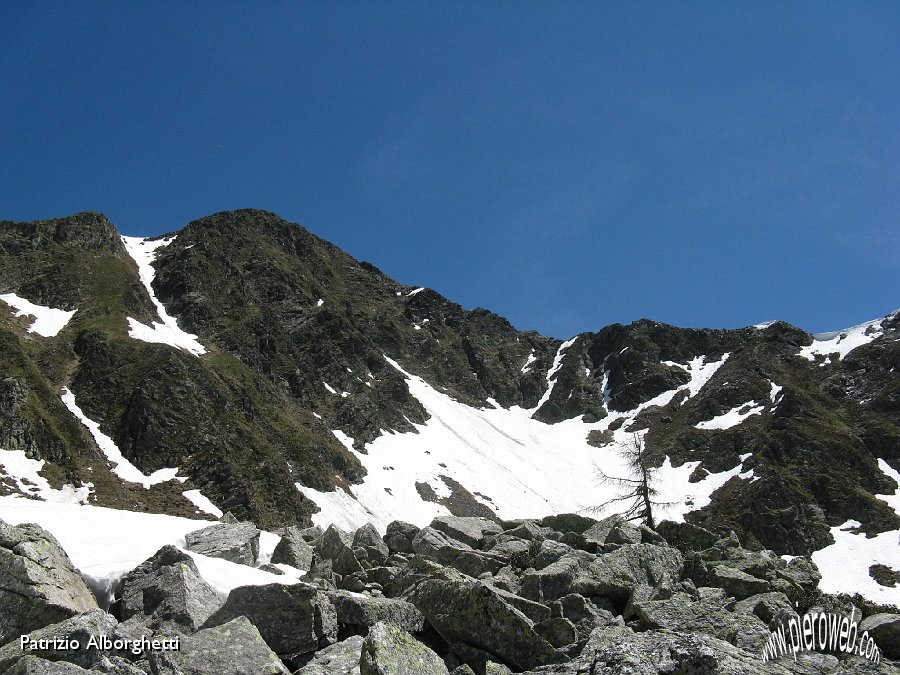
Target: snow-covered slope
(47, 321)
(143, 251)
(513, 464)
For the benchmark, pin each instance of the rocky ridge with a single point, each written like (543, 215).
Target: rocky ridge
(297, 334)
(564, 594)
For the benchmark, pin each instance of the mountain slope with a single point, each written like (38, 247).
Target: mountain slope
(300, 384)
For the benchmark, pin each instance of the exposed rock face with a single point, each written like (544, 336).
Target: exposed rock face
(341, 658)
(38, 585)
(293, 550)
(885, 628)
(33, 665)
(167, 594)
(389, 650)
(356, 613)
(238, 543)
(82, 628)
(233, 648)
(463, 609)
(292, 619)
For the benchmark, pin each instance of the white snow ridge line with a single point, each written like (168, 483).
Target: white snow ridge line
(143, 252)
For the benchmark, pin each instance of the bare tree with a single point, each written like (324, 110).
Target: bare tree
(637, 491)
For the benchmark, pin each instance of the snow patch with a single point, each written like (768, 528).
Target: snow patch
(733, 417)
(47, 321)
(776, 390)
(843, 341)
(414, 292)
(551, 374)
(25, 473)
(531, 359)
(845, 564)
(203, 503)
(105, 544)
(122, 467)
(143, 251)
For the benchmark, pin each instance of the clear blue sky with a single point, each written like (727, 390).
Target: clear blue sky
(567, 165)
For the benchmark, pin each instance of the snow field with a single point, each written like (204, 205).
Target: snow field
(47, 321)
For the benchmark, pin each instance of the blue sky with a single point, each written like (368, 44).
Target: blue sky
(567, 165)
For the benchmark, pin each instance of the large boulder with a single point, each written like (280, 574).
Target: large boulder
(341, 658)
(885, 629)
(389, 650)
(233, 648)
(617, 649)
(293, 550)
(34, 665)
(337, 546)
(167, 594)
(463, 609)
(553, 581)
(93, 624)
(615, 575)
(469, 530)
(399, 536)
(370, 542)
(38, 584)
(292, 619)
(357, 612)
(736, 583)
(238, 542)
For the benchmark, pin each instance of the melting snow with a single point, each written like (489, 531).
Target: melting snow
(143, 251)
(733, 417)
(413, 292)
(330, 388)
(776, 390)
(521, 467)
(551, 374)
(843, 341)
(531, 359)
(105, 544)
(47, 321)
(25, 473)
(845, 564)
(320, 302)
(123, 468)
(201, 502)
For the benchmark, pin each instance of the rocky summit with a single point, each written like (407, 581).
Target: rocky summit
(412, 486)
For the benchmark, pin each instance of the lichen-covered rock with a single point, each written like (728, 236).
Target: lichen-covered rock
(341, 658)
(389, 650)
(736, 583)
(233, 648)
(368, 539)
(292, 619)
(615, 575)
(767, 606)
(463, 609)
(686, 536)
(399, 536)
(355, 612)
(81, 628)
(616, 649)
(469, 530)
(38, 584)
(293, 550)
(238, 543)
(552, 582)
(557, 630)
(166, 593)
(337, 546)
(33, 665)
(885, 629)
